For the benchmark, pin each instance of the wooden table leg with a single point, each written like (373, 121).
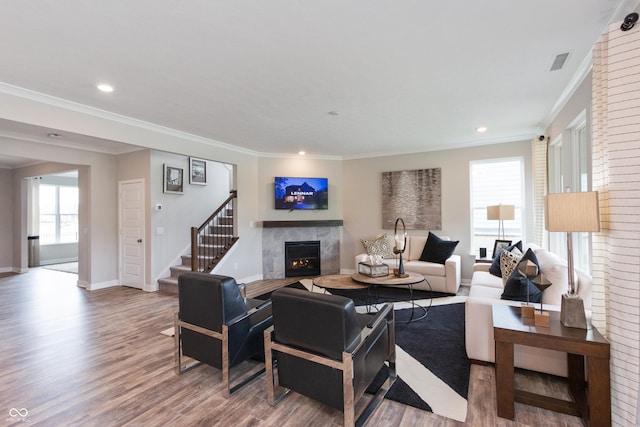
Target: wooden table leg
(575, 370)
(599, 391)
(504, 380)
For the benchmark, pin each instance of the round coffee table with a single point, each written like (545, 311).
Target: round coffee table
(343, 281)
(361, 281)
(337, 281)
(389, 280)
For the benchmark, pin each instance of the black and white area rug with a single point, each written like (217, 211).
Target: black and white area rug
(431, 359)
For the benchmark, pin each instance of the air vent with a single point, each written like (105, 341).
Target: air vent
(558, 61)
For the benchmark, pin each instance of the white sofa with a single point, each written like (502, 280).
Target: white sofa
(442, 277)
(486, 290)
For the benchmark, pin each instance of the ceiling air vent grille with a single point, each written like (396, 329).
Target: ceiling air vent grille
(558, 61)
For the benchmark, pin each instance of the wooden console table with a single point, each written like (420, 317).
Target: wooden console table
(594, 406)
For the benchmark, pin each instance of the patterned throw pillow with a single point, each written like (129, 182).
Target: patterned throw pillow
(495, 265)
(380, 246)
(508, 262)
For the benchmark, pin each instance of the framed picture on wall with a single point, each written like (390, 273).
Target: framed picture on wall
(173, 179)
(197, 171)
(499, 245)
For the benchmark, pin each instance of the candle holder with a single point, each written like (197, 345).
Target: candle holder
(401, 243)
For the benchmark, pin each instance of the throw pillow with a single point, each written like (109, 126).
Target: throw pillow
(380, 246)
(437, 250)
(508, 262)
(518, 286)
(495, 265)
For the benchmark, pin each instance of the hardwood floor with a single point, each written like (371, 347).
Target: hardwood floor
(75, 357)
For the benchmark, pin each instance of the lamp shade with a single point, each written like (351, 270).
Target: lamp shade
(570, 212)
(501, 212)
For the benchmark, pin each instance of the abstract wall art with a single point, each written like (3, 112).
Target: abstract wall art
(415, 196)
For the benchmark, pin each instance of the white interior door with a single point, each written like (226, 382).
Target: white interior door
(132, 226)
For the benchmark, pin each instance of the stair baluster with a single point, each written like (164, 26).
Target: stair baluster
(213, 239)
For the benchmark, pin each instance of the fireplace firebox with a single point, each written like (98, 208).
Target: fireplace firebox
(302, 258)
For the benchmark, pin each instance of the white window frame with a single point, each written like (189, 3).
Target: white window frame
(581, 151)
(557, 242)
(565, 169)
(57, 216)
(518, 223)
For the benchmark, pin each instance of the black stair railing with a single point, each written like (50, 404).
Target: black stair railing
(213, 239)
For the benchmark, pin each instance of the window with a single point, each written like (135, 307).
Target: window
(582, 241)
(555, 166)
(58, 214)
(557, 241)
(494, 182)
(569, 169)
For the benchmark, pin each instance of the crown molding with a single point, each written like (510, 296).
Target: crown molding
(64, 104)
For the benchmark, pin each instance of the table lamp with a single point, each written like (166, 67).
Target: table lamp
(572, 212)
(501, 213)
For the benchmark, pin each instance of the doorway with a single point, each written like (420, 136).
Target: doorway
(53, 219)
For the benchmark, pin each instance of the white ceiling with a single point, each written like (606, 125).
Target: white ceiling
(404, 76)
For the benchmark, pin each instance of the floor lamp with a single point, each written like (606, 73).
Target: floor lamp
(501, 213)
(572, 212)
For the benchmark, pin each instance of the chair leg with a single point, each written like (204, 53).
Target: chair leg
(176, 343)
(226, 370)
(347, 390)
(268, 364)
(225, 361)
(378, 397)
(275, 392)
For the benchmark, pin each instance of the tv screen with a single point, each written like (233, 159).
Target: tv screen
(301, 193)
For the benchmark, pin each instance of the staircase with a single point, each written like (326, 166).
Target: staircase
(211, 241)
(170, 284)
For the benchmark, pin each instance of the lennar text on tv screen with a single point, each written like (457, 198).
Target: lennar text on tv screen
(301, 193)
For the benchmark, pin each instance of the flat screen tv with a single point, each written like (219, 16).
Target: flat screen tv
(301, 193)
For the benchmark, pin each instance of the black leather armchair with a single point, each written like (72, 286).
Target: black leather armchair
(324, 350)
(216, 326)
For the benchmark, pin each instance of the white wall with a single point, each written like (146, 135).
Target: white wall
(171, 226)
(363, 204)
(244, 260)
(6, 224)
(270, 167)
(354, 184)
(97, 219)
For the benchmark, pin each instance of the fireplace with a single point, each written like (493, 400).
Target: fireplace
(302, 258)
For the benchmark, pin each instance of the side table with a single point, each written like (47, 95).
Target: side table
(592, 405)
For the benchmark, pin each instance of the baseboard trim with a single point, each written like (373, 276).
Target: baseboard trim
(101, 285)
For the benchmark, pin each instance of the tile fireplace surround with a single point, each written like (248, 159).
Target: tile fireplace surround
(275, 233)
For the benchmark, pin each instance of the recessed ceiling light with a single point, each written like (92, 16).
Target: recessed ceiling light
(481, 129)
(105, 87)
(302, 153)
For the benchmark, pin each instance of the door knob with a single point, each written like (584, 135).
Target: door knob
(139, 240)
